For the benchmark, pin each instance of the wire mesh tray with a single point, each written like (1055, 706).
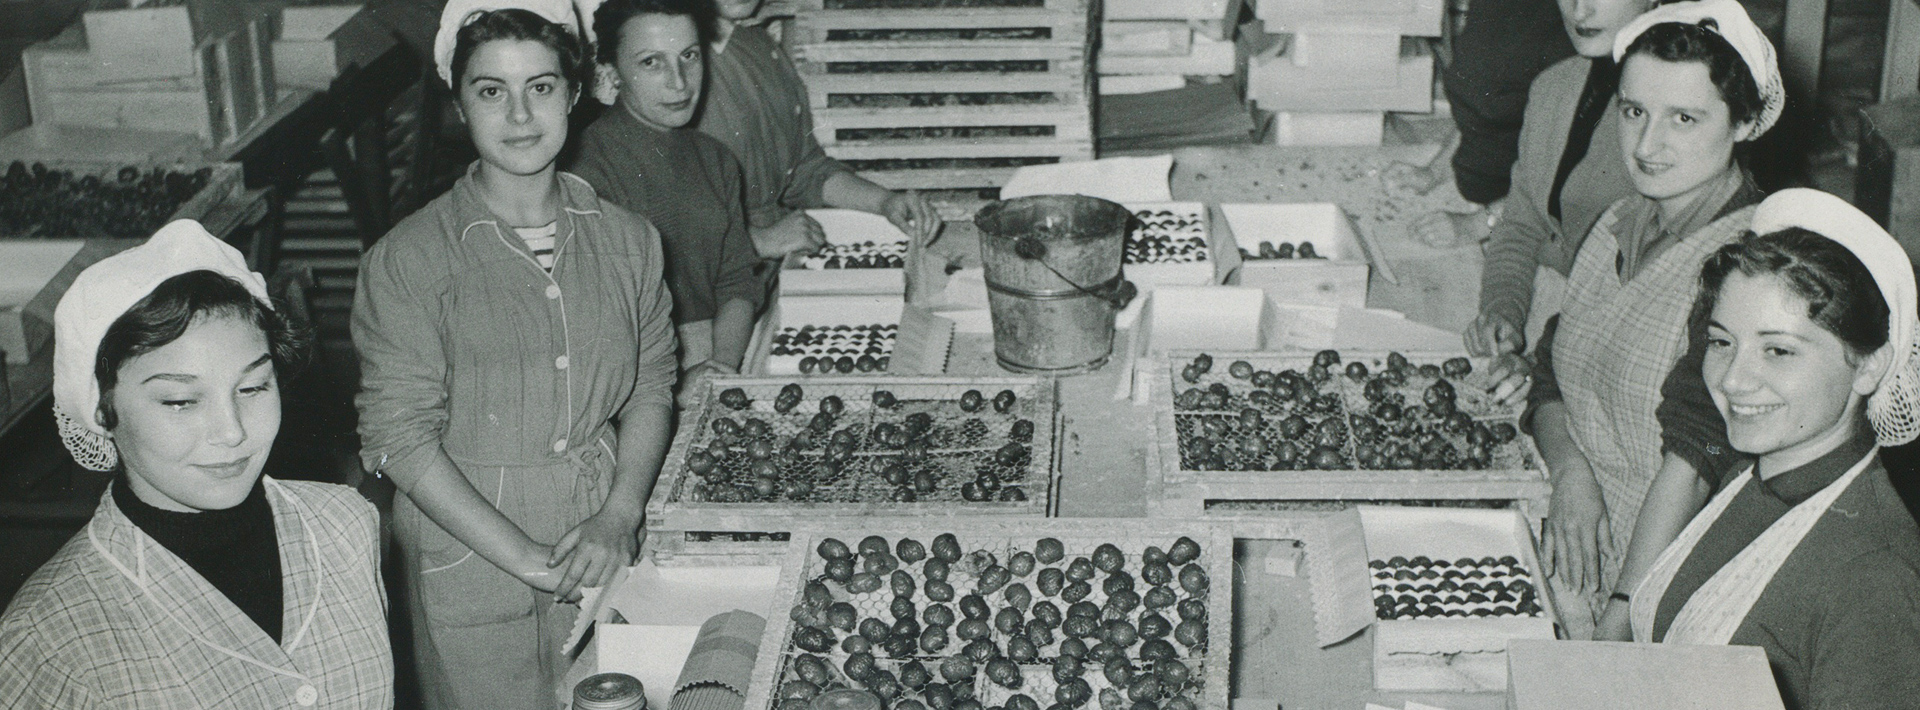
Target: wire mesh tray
(1188, 653)
(783, 464)
(1360, 434)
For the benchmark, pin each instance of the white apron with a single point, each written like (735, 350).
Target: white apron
(1716, 610)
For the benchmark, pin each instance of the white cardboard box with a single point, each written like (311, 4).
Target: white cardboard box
(1281, 84)
(1588, 675)
(845, 227)
(659, 612)
(1340, 279)
(25, 268)
(1348, 128)
(1413, 18)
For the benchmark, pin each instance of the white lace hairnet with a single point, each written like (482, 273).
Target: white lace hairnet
(98, 297)
(459, 13)
(1894, 407)
(1731, 22)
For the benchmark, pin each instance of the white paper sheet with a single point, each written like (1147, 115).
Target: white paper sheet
(1122, 180)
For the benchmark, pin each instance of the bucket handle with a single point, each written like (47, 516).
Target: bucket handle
(1116, 292)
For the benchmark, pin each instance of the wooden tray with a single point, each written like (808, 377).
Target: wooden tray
(1210, 672)
(857, 490)
(223, 184)
(1516, 474)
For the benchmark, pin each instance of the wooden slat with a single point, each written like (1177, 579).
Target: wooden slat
(985, 148)
(812, 6)
(806, 55)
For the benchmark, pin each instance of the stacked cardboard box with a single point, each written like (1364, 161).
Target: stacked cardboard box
(317, 41)
(1347, 64)
(1155, 44)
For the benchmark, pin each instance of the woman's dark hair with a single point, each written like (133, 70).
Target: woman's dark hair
(177, 303)
(1841, 294)
(614, 14)
(1680, 42)
(524, 25)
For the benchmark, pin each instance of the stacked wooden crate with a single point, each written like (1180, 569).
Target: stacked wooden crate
(940, 94)
(1347, 64)
(1155, 44)
(202, 68)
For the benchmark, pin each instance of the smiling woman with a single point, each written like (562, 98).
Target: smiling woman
(1810, 554)
(198, 582)
(1696, 79)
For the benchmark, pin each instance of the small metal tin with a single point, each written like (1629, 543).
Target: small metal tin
(609, 691)
(845, 699)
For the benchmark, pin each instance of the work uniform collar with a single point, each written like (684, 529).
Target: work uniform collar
(1801, 482)
(159, 583)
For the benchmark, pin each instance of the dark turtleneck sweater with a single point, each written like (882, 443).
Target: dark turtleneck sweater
(237, 550)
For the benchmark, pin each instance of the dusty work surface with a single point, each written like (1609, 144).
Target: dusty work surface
(1439, 287)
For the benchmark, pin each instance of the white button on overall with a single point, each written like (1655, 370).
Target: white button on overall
(560, 446)
(553, 291)
(306, 696)
(560, 363)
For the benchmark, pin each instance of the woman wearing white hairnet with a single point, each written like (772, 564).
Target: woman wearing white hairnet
(199, 583)
(1696, 80)
(517, 365)
(1809, 554)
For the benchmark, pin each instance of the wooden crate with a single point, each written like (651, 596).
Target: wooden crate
(682, 501)
(914, 95)
(1208, 663)
(1515, 474)
(228, 88)
(223, 183)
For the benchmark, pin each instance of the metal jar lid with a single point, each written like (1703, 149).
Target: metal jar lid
(609, 691)
(845, 699)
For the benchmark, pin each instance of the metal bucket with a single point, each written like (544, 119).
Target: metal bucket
(1053, 280)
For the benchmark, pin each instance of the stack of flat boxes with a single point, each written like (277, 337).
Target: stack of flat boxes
(1348, 63)
(316, 42)
(203, 68)
(1156, 44)
(913, 94)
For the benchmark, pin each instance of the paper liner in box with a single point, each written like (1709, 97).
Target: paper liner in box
(1447, 533)
(721, 664)
(1337, 574)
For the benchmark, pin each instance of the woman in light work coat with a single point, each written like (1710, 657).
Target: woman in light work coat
(199, 584)
(517, 369)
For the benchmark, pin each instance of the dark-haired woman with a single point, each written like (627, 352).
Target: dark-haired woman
(517, 372)
(199, 583)
(640, 155)
(1696, 79)
(1809, 554)
(757, 106)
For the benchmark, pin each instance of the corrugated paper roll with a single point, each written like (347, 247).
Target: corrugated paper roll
(721, 664)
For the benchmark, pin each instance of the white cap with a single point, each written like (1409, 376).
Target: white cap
(98, 297)
(1894, 407)
(459, 13)
(1731, 22)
